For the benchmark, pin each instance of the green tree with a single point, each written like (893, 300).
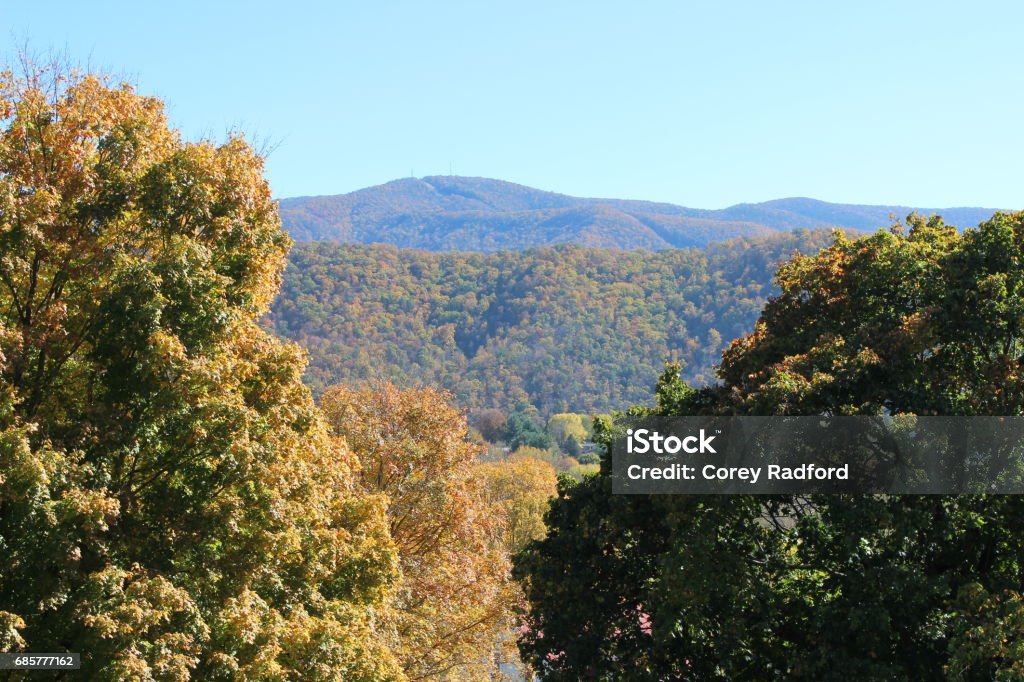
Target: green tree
(171, 503)
(524, 429)
(924, 321)
(988, 640)
(573, 449)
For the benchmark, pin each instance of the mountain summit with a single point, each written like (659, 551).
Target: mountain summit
(453, 213)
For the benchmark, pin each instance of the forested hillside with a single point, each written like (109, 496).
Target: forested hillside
(567, 329)
(452, 213)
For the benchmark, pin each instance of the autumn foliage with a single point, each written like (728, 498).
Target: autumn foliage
(452, 614)
(171, 503)
(564, 329)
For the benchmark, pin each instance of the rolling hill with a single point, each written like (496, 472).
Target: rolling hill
(562, 328)
(452, 213)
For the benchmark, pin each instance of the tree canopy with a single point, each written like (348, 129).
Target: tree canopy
(924, 320)
(171, 502)
(452, 615)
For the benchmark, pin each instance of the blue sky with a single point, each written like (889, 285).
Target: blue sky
(703, 104)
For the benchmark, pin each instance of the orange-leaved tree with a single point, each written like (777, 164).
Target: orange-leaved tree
(452, 617)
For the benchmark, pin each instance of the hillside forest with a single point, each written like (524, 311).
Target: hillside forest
(562, 329)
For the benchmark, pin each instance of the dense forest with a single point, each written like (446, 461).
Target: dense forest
(565, 329)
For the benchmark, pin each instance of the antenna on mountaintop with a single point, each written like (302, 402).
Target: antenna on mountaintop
(449, 169)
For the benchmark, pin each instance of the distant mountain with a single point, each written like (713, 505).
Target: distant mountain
(452, 213)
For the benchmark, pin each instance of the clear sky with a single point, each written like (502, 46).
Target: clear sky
(705, 104)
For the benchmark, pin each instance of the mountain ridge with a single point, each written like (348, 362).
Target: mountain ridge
(456, 213)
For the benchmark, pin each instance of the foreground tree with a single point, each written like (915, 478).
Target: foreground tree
(452, 616)
(925, 321)
(171, 504)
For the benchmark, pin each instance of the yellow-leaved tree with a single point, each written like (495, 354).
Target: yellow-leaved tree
(520, 489)
(452, 616)
(171, 503)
